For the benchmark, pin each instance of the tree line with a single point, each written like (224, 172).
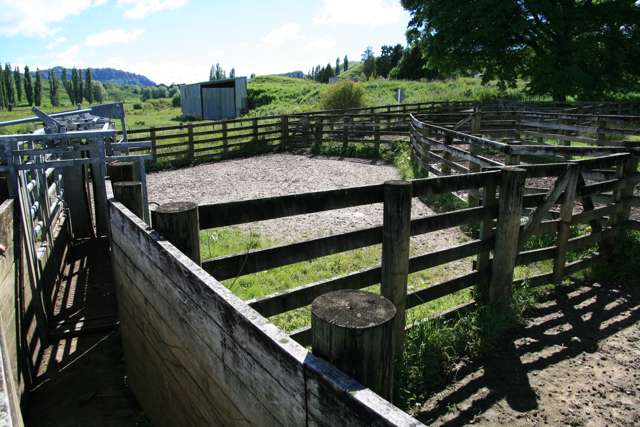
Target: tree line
(585, 49)
(18, 87)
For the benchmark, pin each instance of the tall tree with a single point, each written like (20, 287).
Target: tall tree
(80, 93)
(368, 62)
(561, 48)
(232, 73)
(3, 98)
(88, 87)
(28, 85)
(389, 58)
(37, 90)
(337, 70)
(9, 88)
(345, 63)
(75, 86)
(98, 92)
(54, 86)
(17, 77)
(66, 84)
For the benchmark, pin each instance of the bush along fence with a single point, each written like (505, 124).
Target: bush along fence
(197, 142)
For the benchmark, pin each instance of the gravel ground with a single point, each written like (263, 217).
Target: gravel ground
(281, 174)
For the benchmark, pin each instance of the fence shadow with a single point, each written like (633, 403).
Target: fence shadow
(572, 320)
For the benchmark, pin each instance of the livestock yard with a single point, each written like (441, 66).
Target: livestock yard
(396, 265)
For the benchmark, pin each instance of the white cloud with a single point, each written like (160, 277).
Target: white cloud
(56, 42)
(369, 12)
(114, 36)
(285, 33)
(215, 53)
(69, 57)
(321, 44)
(37, 17)
(138, 9)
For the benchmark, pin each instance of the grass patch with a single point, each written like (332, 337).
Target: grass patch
(434, 347)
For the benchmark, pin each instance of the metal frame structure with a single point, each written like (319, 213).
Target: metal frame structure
(36, 165)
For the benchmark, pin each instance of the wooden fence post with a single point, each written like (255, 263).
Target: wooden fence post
(254, 123)
(129, 193)
(629, 170)
(446, 169)
(190, 143)
(225, 142)
(376, 134)
(507, 233)
(483, 263)
(179, 223)
(476, 126)
(317, 138)
(306, 130)
(564, 228)
(345, 133)
(353, 331)
(285, 132)
(154, 148)
(395, 253)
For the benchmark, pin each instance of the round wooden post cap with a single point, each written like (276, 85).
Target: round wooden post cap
(353, 309)
(175, 207)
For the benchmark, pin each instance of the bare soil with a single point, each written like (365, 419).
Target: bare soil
(282, 174)
(576, 362)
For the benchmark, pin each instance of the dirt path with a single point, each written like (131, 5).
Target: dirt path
(281, 174)
(577, 363)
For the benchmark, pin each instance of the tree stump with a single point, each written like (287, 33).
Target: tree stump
(353, 330)
(179, 223)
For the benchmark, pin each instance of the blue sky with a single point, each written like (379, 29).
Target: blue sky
(178, 40)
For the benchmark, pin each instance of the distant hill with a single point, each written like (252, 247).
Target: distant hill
(292, 74)
(107, 75)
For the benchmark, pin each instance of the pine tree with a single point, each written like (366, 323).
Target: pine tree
(28, 86)
(17, 77)
(37, 90)
(232, 73)
(337, 70)
(53, 89)
(345, 63)
(88, 90)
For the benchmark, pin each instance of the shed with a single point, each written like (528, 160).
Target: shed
(215, 99)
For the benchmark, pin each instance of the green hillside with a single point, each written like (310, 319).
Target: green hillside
(269, 95)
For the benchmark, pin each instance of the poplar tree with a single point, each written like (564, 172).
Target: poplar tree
(28, 86)
(337, 70)
(53, 89)
(74, 86)
(37, 91)
(88, 89)
(3, 100)
(80, 93)
(17, 77)
(9, 88)
(345, 63)
(66, 84)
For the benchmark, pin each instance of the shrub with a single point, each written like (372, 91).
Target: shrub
(137, 106)
(175, 101)
(342, 95)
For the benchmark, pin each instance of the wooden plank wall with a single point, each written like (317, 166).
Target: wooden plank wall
(197, 355)
(11, 386)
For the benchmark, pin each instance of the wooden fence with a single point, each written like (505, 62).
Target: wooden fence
(483, 216)
(189, 143)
